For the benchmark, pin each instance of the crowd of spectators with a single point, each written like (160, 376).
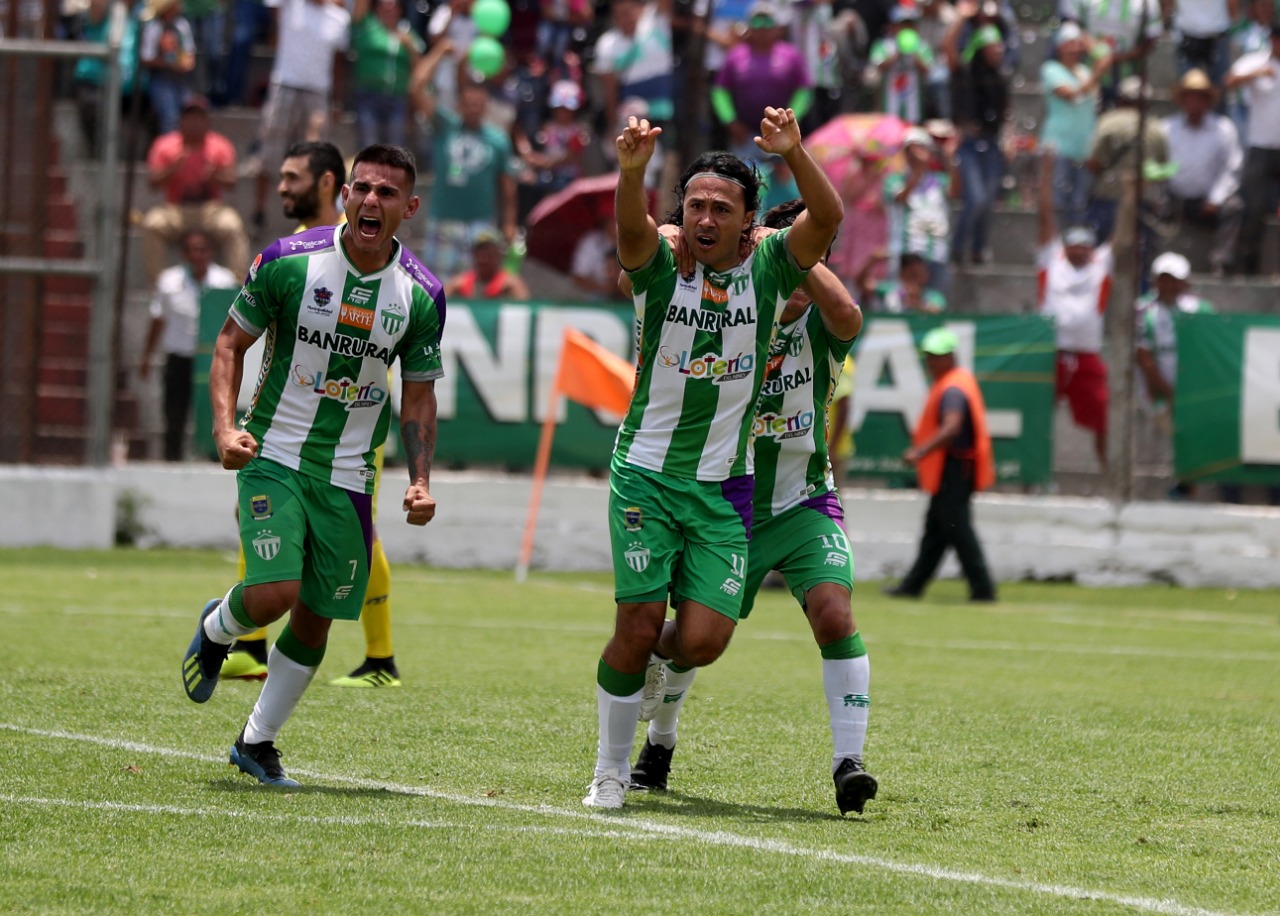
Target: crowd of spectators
(499, 130)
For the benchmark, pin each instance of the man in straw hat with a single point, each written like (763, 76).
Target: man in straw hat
(1205, 149)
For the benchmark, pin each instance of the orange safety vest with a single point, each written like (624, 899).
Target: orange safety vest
(492, 290)
(929, 468)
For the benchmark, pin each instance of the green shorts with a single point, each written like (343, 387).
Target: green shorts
(807, 544)
(686, 538)
(295, 527)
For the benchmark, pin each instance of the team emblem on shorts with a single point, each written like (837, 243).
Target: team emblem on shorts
(637, 556)
(266, 545)
(836, 558)
(260, 506)
(633, 518)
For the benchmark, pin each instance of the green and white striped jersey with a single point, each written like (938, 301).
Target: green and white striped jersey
(792, 465)
(702, 346)
(321, 405)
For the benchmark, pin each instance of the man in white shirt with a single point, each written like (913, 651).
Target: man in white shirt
(175, 327)
(1206, 149)
(1204, 34)
(306, 82)
(1074, 284)
(1259, 76)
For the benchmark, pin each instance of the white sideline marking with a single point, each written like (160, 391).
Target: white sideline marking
(633, 827)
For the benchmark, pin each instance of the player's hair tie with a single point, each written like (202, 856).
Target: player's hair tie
(696, 175)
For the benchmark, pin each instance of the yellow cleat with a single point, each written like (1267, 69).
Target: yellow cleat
(244, 666)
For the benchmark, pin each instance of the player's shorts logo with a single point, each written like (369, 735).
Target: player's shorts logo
(260, 506)
(836, 558)
(637, 556)
(633, 518)
(266, 545)
(731, 587)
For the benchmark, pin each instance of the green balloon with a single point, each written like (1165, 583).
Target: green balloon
(486, 56)
(908, 41)
(491, 17)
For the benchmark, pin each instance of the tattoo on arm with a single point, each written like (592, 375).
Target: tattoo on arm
(420, 447)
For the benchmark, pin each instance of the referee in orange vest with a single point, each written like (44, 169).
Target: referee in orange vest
(951, 452)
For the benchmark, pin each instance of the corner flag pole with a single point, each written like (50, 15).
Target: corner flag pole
(540, 466)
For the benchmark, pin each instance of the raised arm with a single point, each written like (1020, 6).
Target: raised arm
(815, 228)
(1048, 222)
(840, 313)
(420, 94)
(637, 232)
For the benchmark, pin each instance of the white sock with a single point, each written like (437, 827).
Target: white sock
(619, 717)
(847, 684)
(222, 627)
(285, 684)
(662, 728)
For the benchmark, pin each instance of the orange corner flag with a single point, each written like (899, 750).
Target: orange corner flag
(591, 375)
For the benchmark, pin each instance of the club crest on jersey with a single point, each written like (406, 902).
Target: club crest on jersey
(266, 545)
(392, 318)
(633, 518)
(637, 556)
(260, 506)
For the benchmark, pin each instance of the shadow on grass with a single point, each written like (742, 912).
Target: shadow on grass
(669, 802)
(247, 784)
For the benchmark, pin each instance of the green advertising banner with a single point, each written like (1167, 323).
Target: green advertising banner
(500, 359)
(1013, 358)
(499, 362)
(1227, 409)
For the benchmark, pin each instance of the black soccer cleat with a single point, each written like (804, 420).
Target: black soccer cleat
(652, 768)
(854, 786)
(261, 761)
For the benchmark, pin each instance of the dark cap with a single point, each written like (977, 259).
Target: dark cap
(195, 103)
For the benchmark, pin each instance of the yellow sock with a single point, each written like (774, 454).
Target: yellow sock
(375, 616)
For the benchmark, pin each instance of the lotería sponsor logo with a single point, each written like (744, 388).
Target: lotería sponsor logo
(789, 381)
(266, 545)
(637, 556)
(302, 376)
(348, 393)
(709, 366)
(355, 317)
(776, 426)
(344, 344)
(392, 318)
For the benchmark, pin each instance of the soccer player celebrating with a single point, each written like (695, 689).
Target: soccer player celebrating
(338, 305)
(798, 526)
(311, 176)
(679, 483)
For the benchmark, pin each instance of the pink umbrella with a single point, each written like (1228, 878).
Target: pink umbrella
(846, 143)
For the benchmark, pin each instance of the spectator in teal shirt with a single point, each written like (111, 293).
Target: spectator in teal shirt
(1070, 86)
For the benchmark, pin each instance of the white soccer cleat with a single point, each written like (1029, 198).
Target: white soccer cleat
(608, 790)
(655, 688)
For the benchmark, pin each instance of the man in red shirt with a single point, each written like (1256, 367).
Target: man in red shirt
(193, 165)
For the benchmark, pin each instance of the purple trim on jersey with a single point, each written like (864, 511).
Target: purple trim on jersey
(301, 243)
(828, 504)
(739, 490)
(424, 278)
(363, 504)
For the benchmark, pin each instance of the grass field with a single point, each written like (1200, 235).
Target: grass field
(1065, 751)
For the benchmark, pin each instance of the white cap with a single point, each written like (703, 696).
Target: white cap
(1068, 31)
(1173, 264)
